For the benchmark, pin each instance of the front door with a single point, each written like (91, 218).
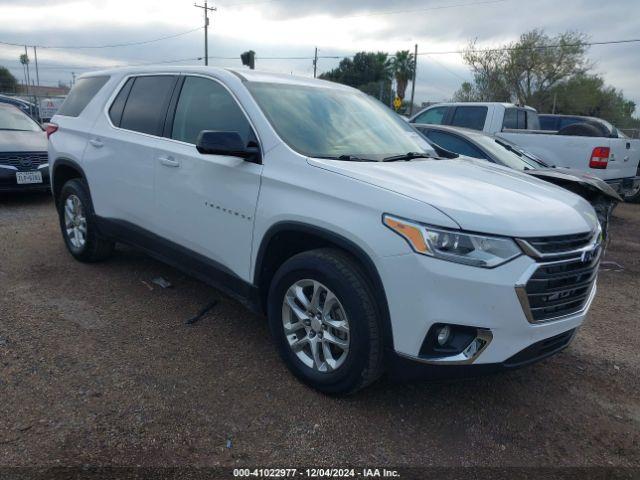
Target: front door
(207, 203)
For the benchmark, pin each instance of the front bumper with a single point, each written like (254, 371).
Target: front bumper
(8, 181)
(423, 291)
(404, 369)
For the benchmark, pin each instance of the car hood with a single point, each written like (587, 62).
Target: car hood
(477, 195)
(565, 175)
(11, 141)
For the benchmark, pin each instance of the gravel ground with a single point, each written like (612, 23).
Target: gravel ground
(97, 367)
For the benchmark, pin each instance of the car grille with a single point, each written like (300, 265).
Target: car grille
(539, 350)
(559, 245)
(560, 288)
(23, 161)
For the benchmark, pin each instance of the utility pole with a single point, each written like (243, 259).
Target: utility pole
(413, 83)
(206, 9)
(315, 63)
(26, 57)
(555, 98)
(35, 56)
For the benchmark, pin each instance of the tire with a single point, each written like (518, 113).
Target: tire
(354, 303)
(92, 247)
(633, 197)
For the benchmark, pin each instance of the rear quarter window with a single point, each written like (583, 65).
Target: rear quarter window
(80, 96)
(470, 117)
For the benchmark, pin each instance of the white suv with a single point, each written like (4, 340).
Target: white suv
(319, 207)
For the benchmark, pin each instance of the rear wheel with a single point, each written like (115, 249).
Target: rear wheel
(78, 225)
(324, 320)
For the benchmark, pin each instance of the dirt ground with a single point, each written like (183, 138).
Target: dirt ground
(97, 367)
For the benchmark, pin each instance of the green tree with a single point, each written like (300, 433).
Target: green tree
(8, 82)
(369, 72)
(526, 70)
(589, 95)
(403, 68)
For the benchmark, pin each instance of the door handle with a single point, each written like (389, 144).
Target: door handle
(169, 162)
(96, 142)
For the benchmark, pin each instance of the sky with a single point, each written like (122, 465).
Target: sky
(294, 28)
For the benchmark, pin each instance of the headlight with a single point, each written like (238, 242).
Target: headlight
(454, 245)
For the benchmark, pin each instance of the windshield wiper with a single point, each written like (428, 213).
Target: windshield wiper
(406, 157)
(347, 158)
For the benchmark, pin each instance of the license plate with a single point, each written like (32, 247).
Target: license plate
(28, 177)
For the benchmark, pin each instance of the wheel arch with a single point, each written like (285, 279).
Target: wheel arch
(286, 239)
(64, 169)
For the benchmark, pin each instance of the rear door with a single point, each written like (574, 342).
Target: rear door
(122, 146)
(207, 203)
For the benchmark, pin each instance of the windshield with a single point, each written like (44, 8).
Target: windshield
(507, 154)
(11, 118)
(332, 123)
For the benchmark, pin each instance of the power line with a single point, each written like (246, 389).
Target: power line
(125, 44)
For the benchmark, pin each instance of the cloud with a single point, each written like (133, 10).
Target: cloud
(293, 28)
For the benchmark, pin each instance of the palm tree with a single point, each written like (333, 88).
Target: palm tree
(403, 68)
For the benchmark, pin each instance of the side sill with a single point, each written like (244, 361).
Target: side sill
(181, 258)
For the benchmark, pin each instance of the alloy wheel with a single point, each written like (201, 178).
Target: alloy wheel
(75, 222)
(316, 325)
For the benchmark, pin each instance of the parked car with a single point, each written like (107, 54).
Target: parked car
(319, 207)
(23, 151)
(27, 107)
(453, 141)
(573, 124)
(614, 160)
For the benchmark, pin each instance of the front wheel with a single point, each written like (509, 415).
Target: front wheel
(325, 322)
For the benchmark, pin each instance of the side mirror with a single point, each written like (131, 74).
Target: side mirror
(212, 142)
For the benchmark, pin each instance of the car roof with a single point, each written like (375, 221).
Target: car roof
(477, 104)
(9, 106)
(245, 75)
(448, 128)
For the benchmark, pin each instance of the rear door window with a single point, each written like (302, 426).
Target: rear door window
(533, 122)
(455, 144)
(516, 119)
(510, 120)
(433, 116)
(146, 107)
(80, 96)
(470, 117)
